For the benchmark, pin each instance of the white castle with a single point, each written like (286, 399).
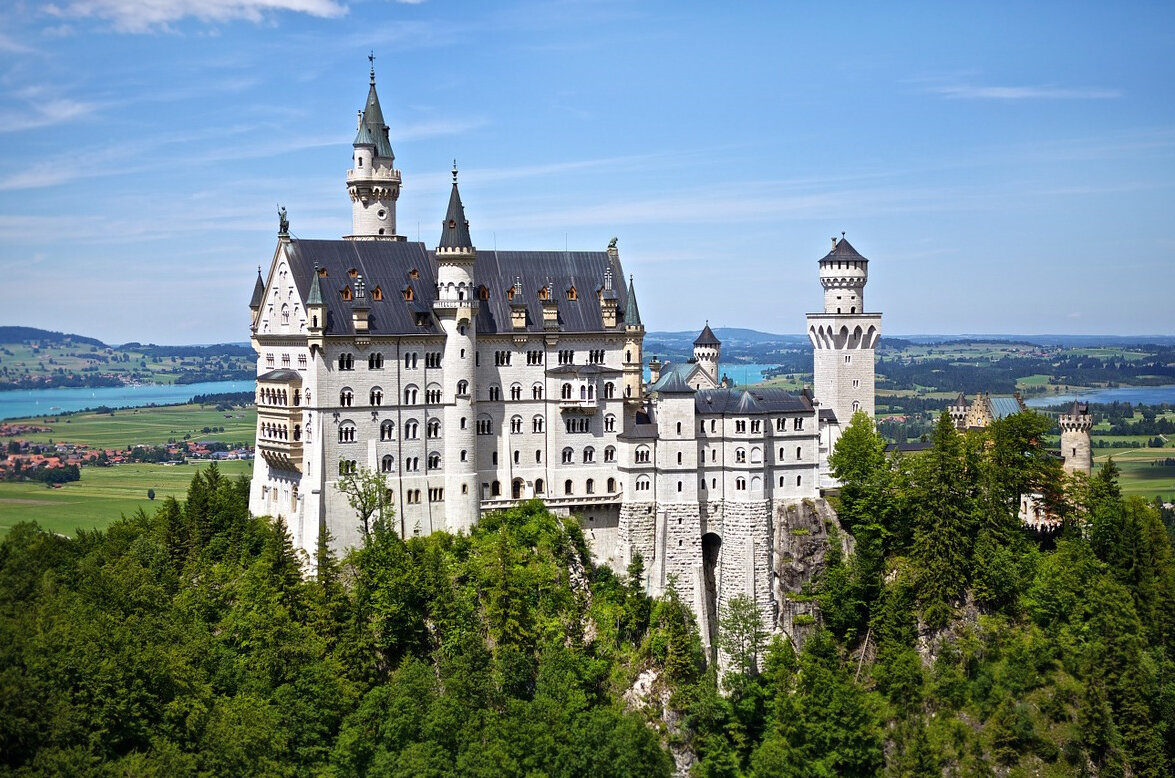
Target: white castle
(477, 379)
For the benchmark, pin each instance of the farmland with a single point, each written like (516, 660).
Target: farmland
(149, 426)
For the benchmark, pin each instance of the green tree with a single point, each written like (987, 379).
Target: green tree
(741, 634)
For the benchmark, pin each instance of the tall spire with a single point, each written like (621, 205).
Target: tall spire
(455, 231)
(632, 315)
(373, 121)
(258, 291)
(315, 296)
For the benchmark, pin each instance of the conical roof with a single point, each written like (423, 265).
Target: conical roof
(632, 314)
(373, 131)
(843, 250)
(707, 337)
(258, 291)
(455, 231)
(315, 296)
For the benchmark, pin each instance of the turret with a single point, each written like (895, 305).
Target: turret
(1076, 446)
(360, 308)
(456, 311)
(608, 301)
(634, 340)
(843, 274)
(255, 302)
(373, 182)
(315, 313)
(707, 348)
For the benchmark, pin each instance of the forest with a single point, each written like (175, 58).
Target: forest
(952, 641)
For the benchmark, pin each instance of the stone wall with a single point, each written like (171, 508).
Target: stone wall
(801, 548)
(636, 532)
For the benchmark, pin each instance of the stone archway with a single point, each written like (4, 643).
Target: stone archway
(711, 548)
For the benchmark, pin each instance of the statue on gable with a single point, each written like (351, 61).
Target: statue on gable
(283, 223)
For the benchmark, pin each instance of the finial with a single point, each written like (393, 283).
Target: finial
(454, 171)
(842, 234)
(371, 59)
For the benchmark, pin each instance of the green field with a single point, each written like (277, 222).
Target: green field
(43, 358)
(103, 494)
(1142, 473)
(150, 426)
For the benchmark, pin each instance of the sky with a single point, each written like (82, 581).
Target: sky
(1006, 167)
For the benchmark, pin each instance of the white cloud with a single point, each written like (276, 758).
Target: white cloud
(974, 92)
(42, 113)
(139, 16)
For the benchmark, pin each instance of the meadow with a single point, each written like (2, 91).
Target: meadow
(102, 496)
(147, 426)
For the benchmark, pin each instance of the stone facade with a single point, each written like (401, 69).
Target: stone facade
(474, 380)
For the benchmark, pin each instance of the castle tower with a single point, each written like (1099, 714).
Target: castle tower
(634, 339)
(1076, 447)
(707, 347)
(373, 181)
(844, 336)
(456, 310)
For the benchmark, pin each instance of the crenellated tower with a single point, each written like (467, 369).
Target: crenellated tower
(707, 349)
(844, 336)
(373, 182)
(1076, 446)
(456, 309)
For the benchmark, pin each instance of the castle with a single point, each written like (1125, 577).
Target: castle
(476, 379)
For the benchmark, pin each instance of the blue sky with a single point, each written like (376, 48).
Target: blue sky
(1007, 167)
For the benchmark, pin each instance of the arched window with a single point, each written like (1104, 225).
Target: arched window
(536, 424)
(583, 393)
(434, 461)
(516, 392)
(495, 393)
(610, 455)
(515, 425)
(387, 429)
(347, 432)
(433, 429)
(496, 489)
(536, 391)
(538, 486)
(462, 387)
(590, 486)
(611, 485)
(377, 396)
(410, 395)
(609, 390)
(387, 464)
(589, 454)
(483, 293)
(642, 484)
(411, 429)
(679, 428)
(566, 392)
(568, 455)
(345, 398)
(642, 454)
(740, 455)
(567, 486)
(285, 314)
(609, 423)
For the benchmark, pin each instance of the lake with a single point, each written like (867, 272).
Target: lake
(1147, 395)
(742, 373)
(20, 403)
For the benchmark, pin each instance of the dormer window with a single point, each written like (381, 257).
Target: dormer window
(408, 295)
(346, 293)
(353, 273)
(414, 274)
(510, 293)
(483, 293)
(322, 272)
(571, 294)
(544, 294)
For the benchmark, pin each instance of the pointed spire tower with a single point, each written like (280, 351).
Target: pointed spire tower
(707, 349)
(373, 182)
(456, 309)
(634, 344)
(258, 298)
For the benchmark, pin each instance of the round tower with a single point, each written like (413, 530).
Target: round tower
(707, 349)
(1076, 446)
(456, 310)
(634, 340)
(844, 337)
(373, 183)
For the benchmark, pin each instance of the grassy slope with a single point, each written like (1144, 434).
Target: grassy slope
(149, 426)
(103, 494)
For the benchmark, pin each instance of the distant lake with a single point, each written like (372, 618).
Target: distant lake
(20, 403)
(1147, 395)
(743, 374)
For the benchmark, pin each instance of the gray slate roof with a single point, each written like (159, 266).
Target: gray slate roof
(258, 292)
(672, 383)
(373, 122)
(387, 265)
(707, 337)
(632, 316)
(843, 251)
(674, 372)
(281, 374)
(1002, 407)
(455, 229)
(732, 402)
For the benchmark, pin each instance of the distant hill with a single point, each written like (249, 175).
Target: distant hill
(22, 334)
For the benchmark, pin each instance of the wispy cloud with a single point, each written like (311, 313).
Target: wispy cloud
(977, 92)
(36, 107)
(140, 16)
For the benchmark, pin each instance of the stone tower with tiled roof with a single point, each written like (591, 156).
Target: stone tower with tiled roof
(1076, 445)
(373, 182)
(707, 349)
(844, 336)
(634, 339)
